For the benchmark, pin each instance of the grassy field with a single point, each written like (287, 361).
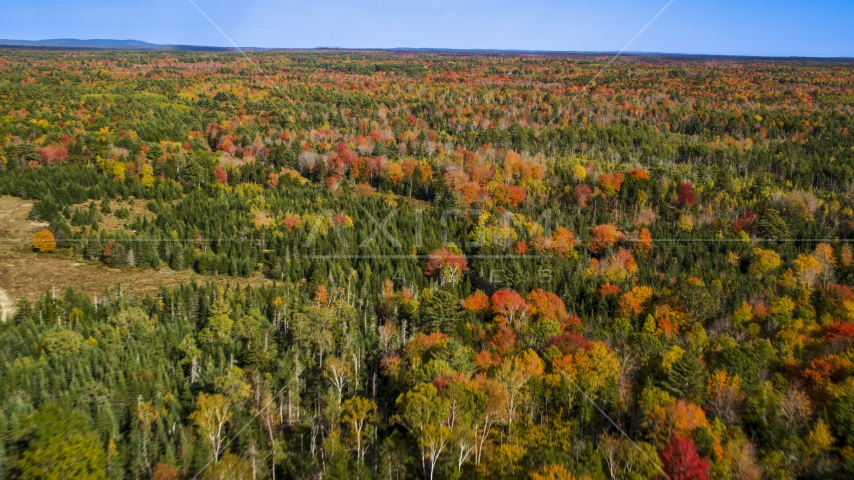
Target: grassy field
(24, 273)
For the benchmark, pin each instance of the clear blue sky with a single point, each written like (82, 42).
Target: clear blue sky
(745, 27)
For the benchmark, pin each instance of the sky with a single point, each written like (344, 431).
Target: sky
(817, 28)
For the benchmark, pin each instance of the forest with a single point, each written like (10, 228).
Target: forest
(523, 266)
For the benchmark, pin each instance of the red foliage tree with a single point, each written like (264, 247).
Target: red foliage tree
(744, 222)
(107, 252)
(503, 340)
(164, 471)
(510, 305)
(390, 365)
(52, 154)
(572, 322)
(375, 166)
(581, 194)
(332, 181)
(686, 195)
(836, 297)
(682, 462)
(823, 371)
(839, 332)
(837, 294)
(363, 189)
(484, 359)
(409, 167)
(439, 259)
(341, 163)
(625, 259)
(290, 222)
(569, 342)
(221, 175)
(482, 174)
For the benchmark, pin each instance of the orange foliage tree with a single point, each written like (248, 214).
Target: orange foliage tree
(508, 195)
(476, 302)
(603, 237)
(547, 305)
(44, 242)
(644, 245)
(610, 183)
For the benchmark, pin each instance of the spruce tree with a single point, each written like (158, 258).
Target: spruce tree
(771, 225)
(686, 378)
(442, 310)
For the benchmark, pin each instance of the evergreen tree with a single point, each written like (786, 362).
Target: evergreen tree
(771, 225)
(685, 379)
(442, 311)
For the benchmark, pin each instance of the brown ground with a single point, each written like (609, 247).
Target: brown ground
(110, 222)
(24, 273)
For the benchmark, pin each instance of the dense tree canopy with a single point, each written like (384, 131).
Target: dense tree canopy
(482, 266)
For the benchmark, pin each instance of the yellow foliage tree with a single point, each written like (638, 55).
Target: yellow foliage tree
(357, 413)
(554, 472)
(766, 261)
(592, 370)
(146, 173)
(211, 415)
(824, 255)
(807, 270)
(724, 392)
(634, 301)
(119, 171)
(579, 173)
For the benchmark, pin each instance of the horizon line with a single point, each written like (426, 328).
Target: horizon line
(141, 45)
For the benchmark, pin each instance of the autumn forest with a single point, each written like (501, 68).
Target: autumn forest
(428, 265)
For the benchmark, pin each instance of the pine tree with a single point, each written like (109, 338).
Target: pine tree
(177, 260)
(686, 378)
(105, 206)
(771, 225)
(442, 310)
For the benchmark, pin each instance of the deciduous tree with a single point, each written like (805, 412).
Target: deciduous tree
(44, 242)
(211, 415)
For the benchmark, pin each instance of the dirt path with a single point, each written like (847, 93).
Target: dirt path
(6, 307)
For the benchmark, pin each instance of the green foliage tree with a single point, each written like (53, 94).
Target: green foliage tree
(60, 445)
(685, 379)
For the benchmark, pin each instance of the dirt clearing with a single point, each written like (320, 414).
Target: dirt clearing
(24, 273)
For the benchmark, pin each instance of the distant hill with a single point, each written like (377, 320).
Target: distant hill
(110, 44)
(104, 44)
